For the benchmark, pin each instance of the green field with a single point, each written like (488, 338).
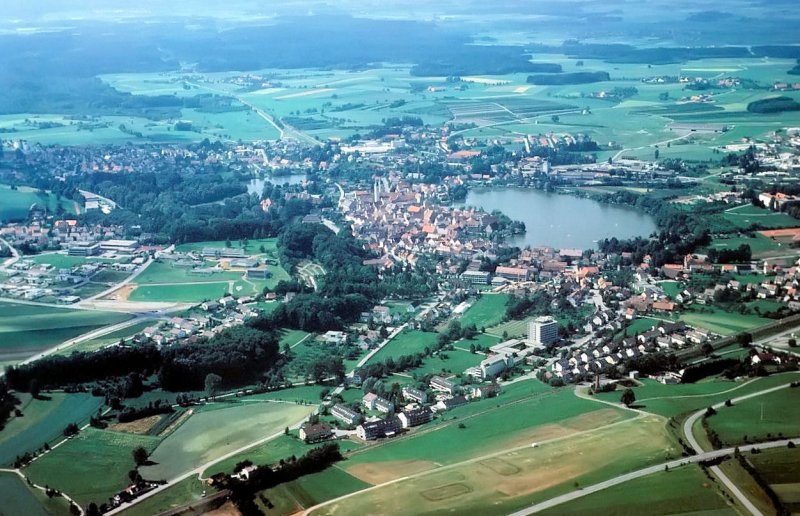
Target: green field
(406, 343)
(671, 288)
(759, 418)
(490, 427)
(92, 466)
(680, 491)
(186, 293)
(746, 216)
(310, 490)
(14, 204)
(487, 311)
(106, 340)
(454, 362)
(164, 272)
(673, 400)
(210, 434)
(779, 468)
(19, 498)
(43, 421)
(27, 329)
(185, 491)
(719, 321)
(761, 246)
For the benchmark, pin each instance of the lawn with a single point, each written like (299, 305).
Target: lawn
(745, 217)
(253, 246)
(14, 204)
(92, 466)
(680, 491)
(488, 310)
(300, 393)
(43, 421)
(27, 329)
(208, 435)
(18, 498)
(640, 325)
(671, 288)
(64, 261)
(448, 362)
(406, 343)
(719, 321)
(178, 293)
(761, 246)
(759, 418)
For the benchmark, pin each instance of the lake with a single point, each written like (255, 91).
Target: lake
(561, 221)
(256, 185)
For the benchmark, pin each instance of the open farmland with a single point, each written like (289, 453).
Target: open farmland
(186, 491)
(210, 434)
(26, 329)
(91, 466)
(19, 498)
(673, 400)
(778, 467)
(14, 204)
(759, 418)
(500, 482)
(719, 321)
(680, 491)
(43, 421)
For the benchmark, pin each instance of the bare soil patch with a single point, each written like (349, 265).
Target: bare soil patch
(140, 426)
(380, 472)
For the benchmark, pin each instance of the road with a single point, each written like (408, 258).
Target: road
(123, 283)
(15, 256)
(688, 430)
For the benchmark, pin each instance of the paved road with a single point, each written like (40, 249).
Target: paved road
(122, 283)
(14, 254)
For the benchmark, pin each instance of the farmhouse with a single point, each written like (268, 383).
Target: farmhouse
(335, 337)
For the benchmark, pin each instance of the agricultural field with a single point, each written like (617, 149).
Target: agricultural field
(759, 418)
(527, 412)
(185, 491)
(406, 343)
(106, 340)
(19, 498)
(761, 246)
(14, 204)
(43, 421)
(487, 311)
(92, 466)
(744, 217)
(511, 477)
(27, 329)
(673, 400)
(207, 435)
(779, 468)
(680, 491)
(310, 490)
(721, 322)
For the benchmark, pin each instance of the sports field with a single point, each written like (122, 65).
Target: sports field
(680, 491)
(91, 466)
(27, 329)
(210, 434)
(759, 418)
(487, 311)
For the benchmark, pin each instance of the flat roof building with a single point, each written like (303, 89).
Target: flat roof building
(543, 331)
